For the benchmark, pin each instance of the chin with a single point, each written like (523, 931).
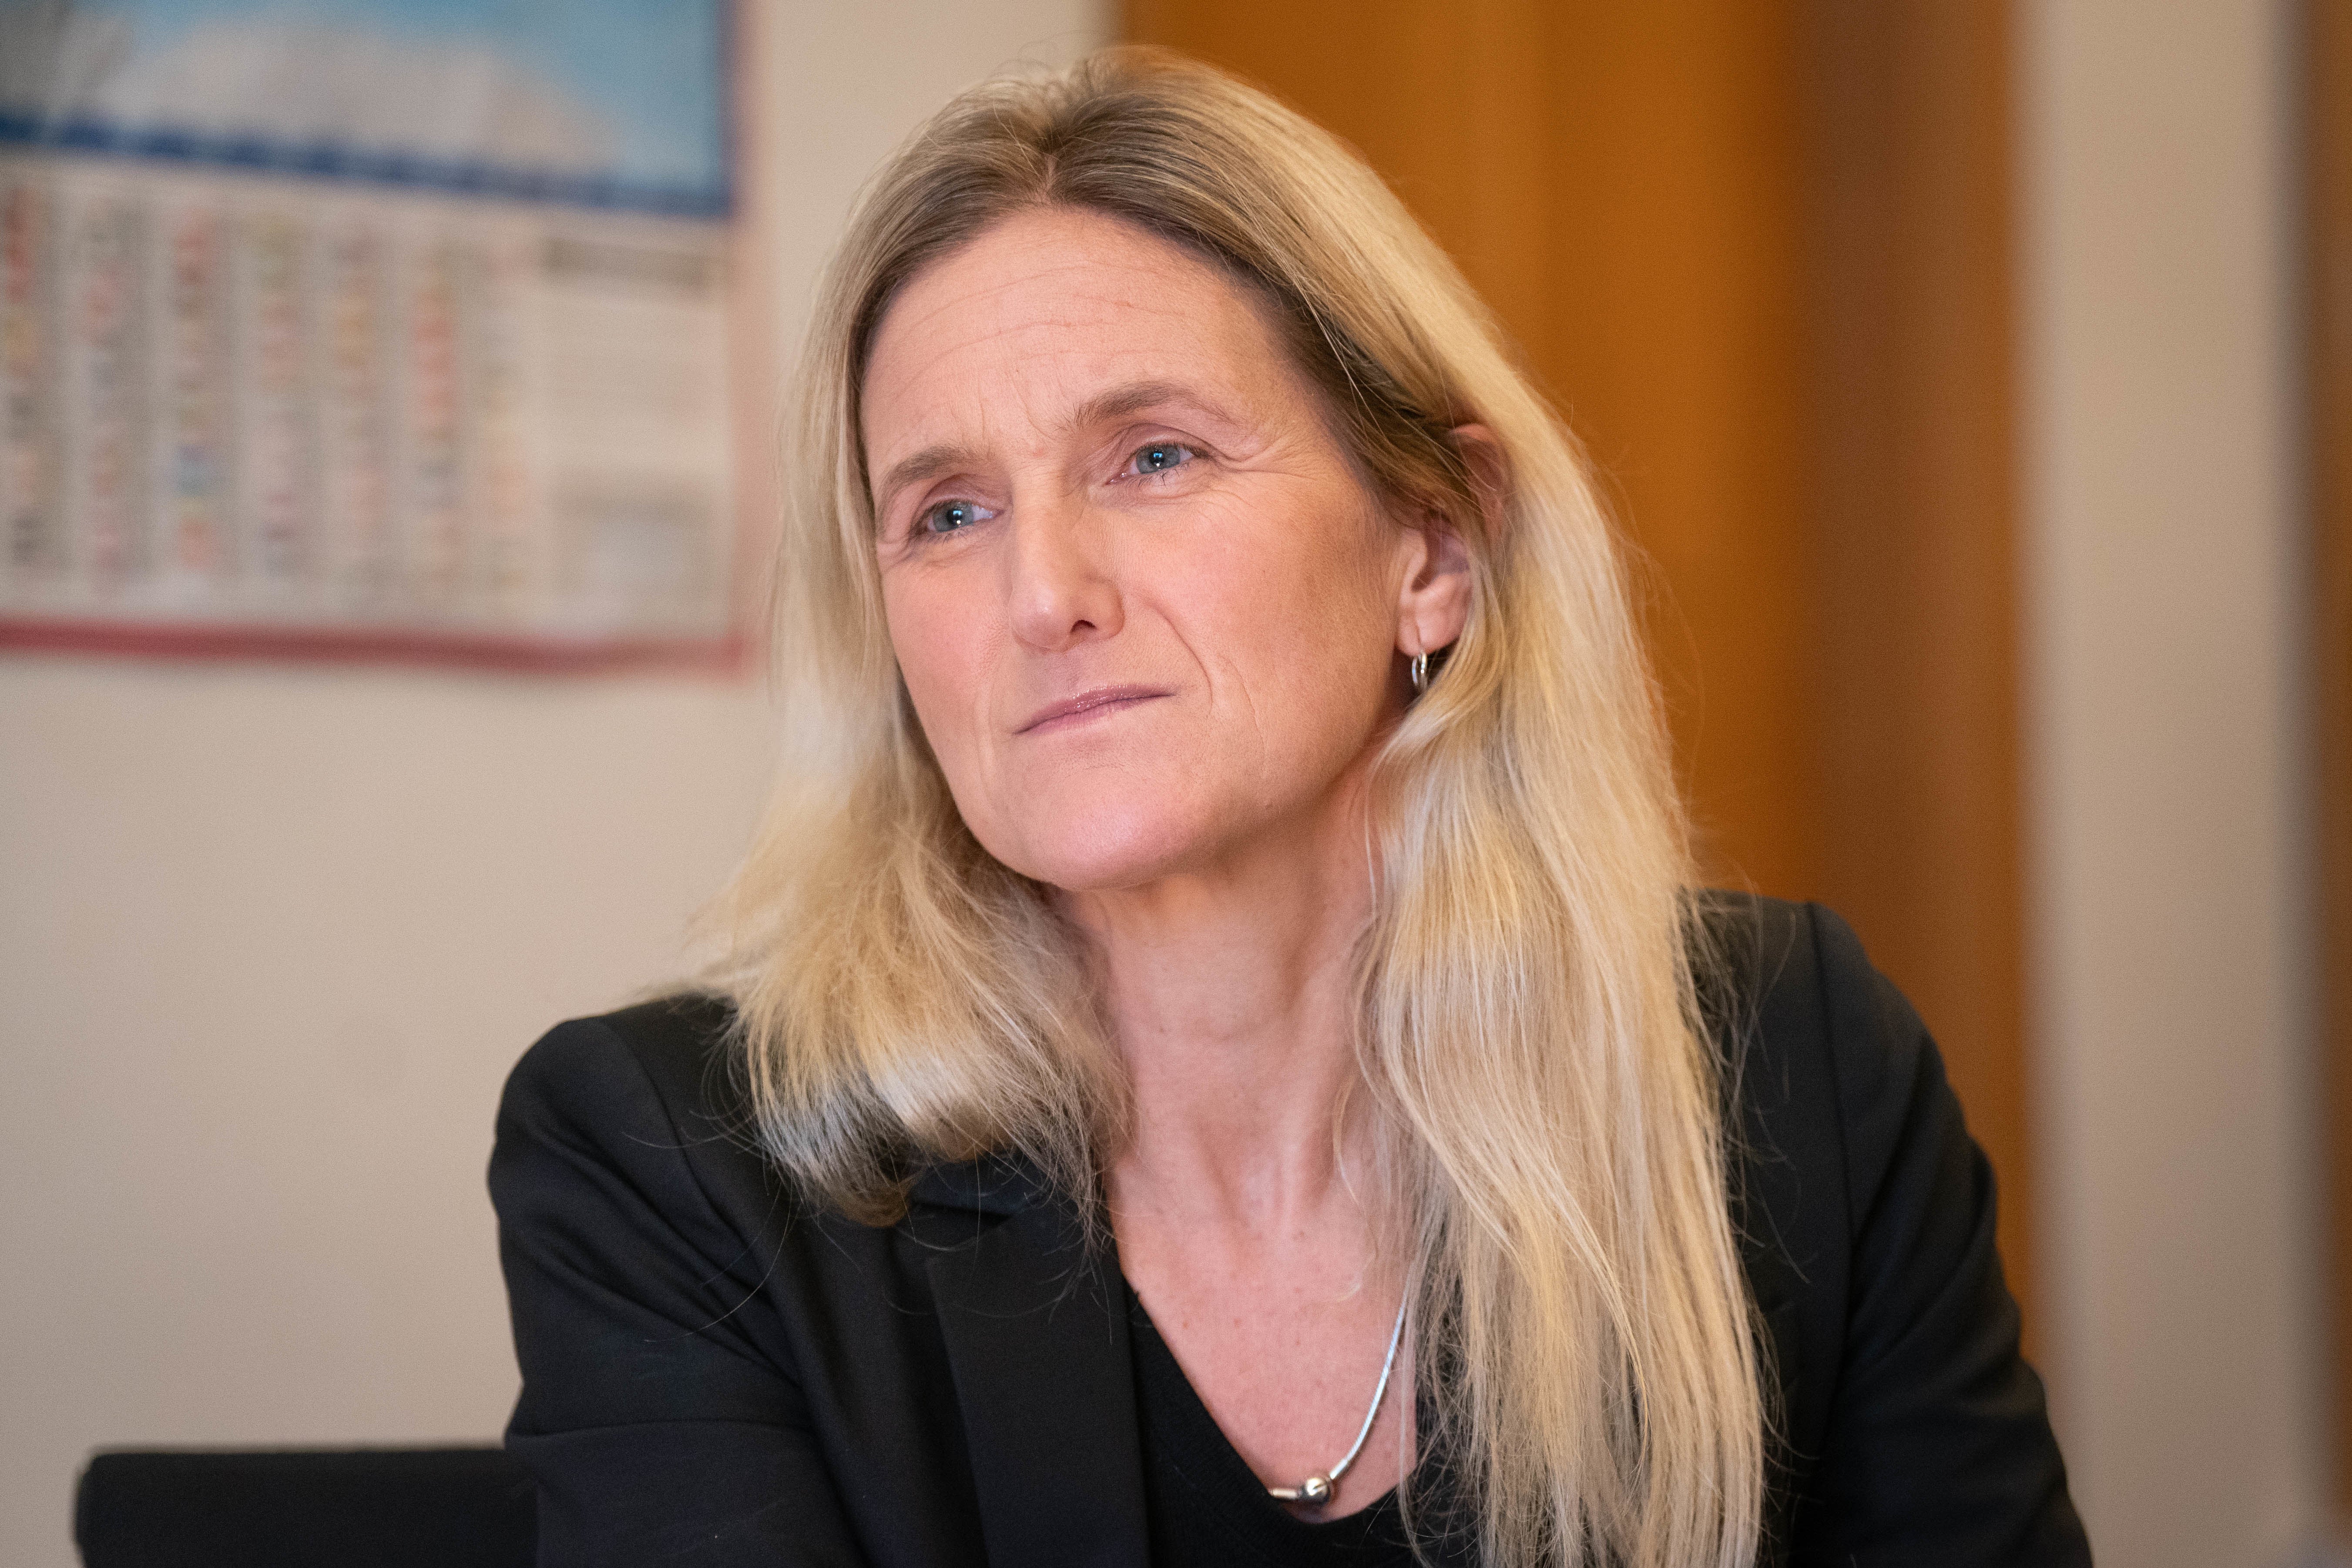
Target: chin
(1100, 844)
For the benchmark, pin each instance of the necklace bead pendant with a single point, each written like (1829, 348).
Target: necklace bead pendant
(1317, 1489)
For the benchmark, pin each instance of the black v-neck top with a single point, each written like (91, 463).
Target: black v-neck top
(718, 1369)
(1206, 1509)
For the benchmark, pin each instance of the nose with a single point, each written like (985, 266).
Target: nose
(1059, 589)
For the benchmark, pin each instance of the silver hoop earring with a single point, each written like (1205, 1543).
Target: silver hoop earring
(1419, 672)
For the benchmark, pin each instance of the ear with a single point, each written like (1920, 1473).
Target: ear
(1435, 601)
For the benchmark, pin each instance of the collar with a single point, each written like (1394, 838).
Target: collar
(1000, 1184)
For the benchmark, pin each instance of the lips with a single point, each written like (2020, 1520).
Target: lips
(1101, 701)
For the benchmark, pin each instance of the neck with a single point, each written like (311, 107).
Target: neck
(1229, 993)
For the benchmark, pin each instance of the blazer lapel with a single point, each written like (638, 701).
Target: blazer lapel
(1037, 1333)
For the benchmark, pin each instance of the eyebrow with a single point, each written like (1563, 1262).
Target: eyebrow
(1135, 396)
(926, 465)
(1116, 404)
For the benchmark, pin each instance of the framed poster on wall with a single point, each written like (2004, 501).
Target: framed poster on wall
(376, 328)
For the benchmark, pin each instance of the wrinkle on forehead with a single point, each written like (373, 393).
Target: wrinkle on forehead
(1099, 277)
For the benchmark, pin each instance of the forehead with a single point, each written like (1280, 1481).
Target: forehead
(1041, 311)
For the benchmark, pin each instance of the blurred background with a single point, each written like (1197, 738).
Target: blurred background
(1974, 380)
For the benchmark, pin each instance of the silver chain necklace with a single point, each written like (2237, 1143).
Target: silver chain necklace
(1317, 1489)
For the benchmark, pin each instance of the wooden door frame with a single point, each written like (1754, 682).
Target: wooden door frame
(2327, 230)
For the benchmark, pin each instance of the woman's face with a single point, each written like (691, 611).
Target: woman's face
(1147, 610)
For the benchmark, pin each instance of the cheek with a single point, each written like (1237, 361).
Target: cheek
(1304, 624)
(1330, 674)
(941, 641)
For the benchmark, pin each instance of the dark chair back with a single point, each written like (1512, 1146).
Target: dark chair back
(369, 1507)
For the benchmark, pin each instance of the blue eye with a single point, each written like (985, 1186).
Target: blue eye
(1160, 456)
(950, 515)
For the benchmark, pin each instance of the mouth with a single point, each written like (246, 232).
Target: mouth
(1087, 706)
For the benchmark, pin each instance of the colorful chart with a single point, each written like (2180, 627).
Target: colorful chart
(334, 370)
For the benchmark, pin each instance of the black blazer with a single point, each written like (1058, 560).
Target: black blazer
(718, 1372)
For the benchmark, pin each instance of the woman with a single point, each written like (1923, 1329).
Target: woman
(1218, 1059)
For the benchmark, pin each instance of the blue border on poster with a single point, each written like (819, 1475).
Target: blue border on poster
(377, 166)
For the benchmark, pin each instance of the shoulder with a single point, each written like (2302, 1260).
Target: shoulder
(1866, 1216)
(649, 1092)
(1815, 1068)
(1822, 1056)
(1772, 972)
(673, 1046)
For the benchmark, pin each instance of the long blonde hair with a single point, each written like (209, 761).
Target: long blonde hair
(1543, 1089)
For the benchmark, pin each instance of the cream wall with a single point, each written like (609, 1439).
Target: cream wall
(270, 937)
(2164, 578)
